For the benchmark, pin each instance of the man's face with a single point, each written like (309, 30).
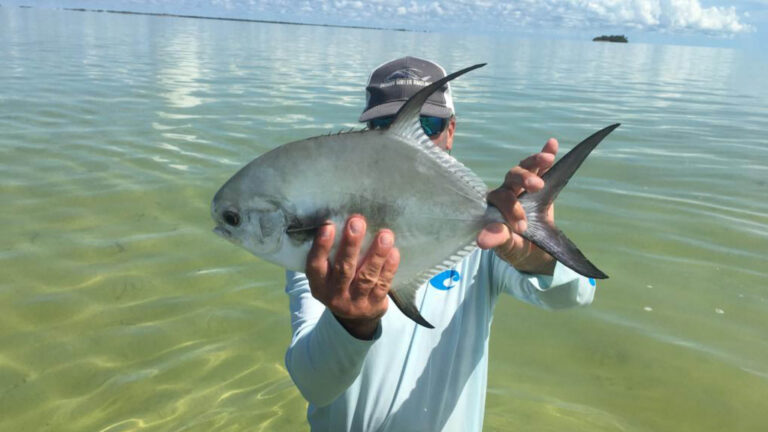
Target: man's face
(445, 139)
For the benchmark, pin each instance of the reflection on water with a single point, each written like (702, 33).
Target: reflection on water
(119, 309)
(179, 71)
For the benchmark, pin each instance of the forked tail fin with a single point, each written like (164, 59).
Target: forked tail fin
(546, 236)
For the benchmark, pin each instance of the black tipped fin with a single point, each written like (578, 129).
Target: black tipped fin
(548, 237)
(555, 243)
(557, 177)
(405, 302)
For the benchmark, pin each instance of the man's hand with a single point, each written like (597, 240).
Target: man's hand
(354, 289)
(508, 244)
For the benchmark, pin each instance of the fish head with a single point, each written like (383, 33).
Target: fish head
(247, 219)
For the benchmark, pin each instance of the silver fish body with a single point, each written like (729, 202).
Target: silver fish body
(395, 186)
(395, 178)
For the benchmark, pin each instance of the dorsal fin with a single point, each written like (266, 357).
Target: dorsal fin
(408, 126)
(407, 122)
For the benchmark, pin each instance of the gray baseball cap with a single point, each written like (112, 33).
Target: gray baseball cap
(393, 83)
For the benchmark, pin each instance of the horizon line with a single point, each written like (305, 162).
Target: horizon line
(204, 17)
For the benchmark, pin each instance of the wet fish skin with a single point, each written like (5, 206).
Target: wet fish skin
(397, 179)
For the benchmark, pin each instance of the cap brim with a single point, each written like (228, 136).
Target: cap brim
(391, 108)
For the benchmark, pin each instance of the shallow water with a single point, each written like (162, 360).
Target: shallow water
(120, 310)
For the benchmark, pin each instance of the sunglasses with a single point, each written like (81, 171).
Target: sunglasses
(432, 126)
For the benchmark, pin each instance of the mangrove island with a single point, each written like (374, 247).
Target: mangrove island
(611, 38)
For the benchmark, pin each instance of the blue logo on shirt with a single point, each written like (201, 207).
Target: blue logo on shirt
(592, 282)
(445, 280)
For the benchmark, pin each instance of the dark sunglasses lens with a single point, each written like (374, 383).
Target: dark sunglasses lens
(382, 122)
(432, 125)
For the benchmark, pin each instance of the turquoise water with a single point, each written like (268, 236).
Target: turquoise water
(120, 310)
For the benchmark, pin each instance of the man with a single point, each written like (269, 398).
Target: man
(366, 367)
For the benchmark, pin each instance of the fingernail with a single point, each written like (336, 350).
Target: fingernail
(530, 182)
(356, 226)
(386, 240)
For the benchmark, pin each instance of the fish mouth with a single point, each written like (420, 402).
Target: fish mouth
(223, 232)
(227, 235)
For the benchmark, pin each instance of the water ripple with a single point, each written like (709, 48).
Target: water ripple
(120, 310)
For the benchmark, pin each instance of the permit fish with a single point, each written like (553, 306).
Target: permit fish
(397, 179)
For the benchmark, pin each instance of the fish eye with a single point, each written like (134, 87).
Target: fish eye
(231, 217)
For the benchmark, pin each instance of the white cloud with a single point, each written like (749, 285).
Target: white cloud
(436, 8)
(675, 16)
(668, 16)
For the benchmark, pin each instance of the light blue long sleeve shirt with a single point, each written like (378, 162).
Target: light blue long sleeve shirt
(411, 378)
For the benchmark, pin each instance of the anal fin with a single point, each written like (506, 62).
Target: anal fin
(406, 302)
(404, 295)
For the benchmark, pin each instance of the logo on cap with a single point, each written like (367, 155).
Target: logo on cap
(407, 76)
(411, 73)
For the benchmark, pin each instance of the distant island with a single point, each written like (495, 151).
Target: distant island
(611, 38)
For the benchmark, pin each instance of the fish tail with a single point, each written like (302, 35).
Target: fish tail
(547, 236)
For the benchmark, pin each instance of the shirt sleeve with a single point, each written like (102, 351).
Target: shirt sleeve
(323, 359)
(563, 289)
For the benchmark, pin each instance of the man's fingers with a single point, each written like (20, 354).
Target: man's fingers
(516, 251)
(381, 289)
(541, 162)
(538, 163)
(506, 201)
(370, 268)
(493, 235)
(345, 262)
(513, 248)
(550, 147)
(317, 259)
(519, 178)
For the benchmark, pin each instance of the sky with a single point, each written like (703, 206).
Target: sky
(697, 22)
